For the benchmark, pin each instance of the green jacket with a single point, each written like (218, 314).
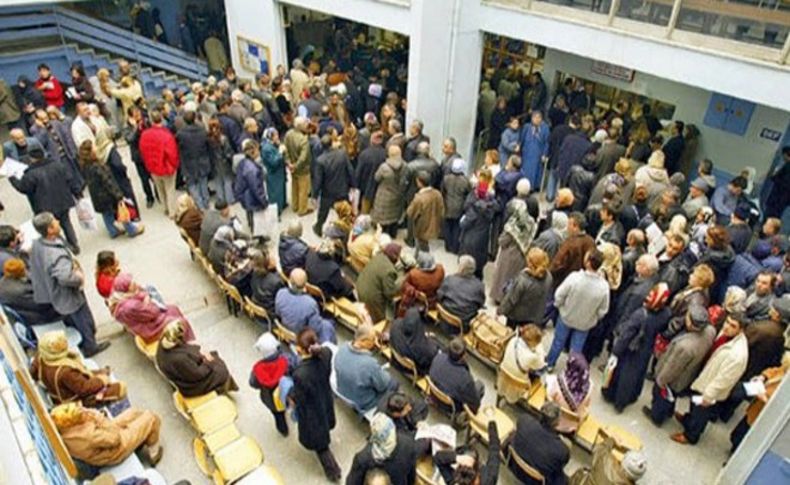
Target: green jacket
(378, 282)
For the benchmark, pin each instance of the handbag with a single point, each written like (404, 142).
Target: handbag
(122, 214)
(489, 337)
(608, 372)
(660, 345)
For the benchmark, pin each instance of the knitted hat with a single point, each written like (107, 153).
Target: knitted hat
(634, 465)
(267, 345)
(383, 437)
(458, 166)
(700, 183)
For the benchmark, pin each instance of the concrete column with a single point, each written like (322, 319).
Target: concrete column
(444, 70)
(260, 21)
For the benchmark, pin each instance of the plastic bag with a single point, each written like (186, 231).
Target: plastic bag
(86, 214)
(264, 223)
(122, 214)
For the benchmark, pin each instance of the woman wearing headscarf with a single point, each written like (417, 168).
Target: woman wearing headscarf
(92, 437)
(525, 300)
(720, 256)
(188, 217)
(272, 156)
(705, 219)
(387, 449)
(192, 371)
(313, 400)
(696, 293)
(480, 208)
(378, 283)
(65, 376)
(514, 242)
(633, 347)
(249, 188)
(142, 315)
(571, 390)
(426, 278)
(551, 238)
(409, 339)
(266, 376)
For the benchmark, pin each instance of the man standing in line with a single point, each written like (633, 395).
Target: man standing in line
(299, 159)
(58, 279)
(159, 151)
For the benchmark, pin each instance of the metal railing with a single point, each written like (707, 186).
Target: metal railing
(750, 28)
(69, 26)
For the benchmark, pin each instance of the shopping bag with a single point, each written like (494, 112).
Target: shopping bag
(264, 223)
(122, 214)
(86, 214)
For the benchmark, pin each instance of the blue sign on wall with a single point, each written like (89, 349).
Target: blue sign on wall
(729, 114)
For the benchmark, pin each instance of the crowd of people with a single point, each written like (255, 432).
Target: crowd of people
(658, 273)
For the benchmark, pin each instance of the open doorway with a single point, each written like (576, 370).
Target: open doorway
(334, 46)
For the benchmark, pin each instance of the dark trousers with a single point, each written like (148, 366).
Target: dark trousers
(423, 246)
(118, 170)
(739, 433)
(391, 229)
(661, 409)
(280, 422)
(329, 464)
(695, 422)
(145, 179)
(82, 321)
(451, 230)
(323, 212)
(68, 230)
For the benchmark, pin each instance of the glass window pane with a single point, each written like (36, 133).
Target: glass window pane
(598, 6)
(764, 22)
(656, 12)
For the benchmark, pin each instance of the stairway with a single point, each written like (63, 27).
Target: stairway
(30, 35)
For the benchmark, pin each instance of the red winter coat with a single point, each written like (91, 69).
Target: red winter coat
(54, 96)
(159, 151)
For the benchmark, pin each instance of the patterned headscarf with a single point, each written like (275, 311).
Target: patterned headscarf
(575, 380)
(559, 222)
(383, 437)
(268, 133)
(53, 350)
(520, 225)
(173, 334)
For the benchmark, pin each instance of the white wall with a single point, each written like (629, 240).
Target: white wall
(762, 83)
(257, 20)
(728, 151)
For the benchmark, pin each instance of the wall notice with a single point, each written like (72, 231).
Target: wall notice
(613, 71)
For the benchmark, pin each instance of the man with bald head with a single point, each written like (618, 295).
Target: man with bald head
(297, 310)
(20, 145)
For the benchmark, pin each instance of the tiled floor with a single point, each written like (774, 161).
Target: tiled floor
(160, 258)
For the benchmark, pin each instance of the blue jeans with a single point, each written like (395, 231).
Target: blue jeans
(199, 192)
(551, 187)
(561, 334)
(224, 188)
(109, 223)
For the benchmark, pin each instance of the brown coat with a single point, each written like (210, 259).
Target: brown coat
(570, 257)
(190, 221)
(427, 282)
(426, 211)
(66, 384)
(101, 441)
(191, 372)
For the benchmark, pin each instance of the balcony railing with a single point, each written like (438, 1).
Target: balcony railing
(751, 28)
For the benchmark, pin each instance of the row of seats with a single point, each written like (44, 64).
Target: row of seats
(347, 313)
(222, 452)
